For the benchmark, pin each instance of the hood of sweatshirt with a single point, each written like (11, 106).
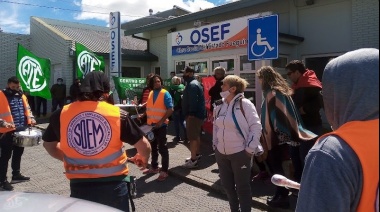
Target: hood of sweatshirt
(351, 87)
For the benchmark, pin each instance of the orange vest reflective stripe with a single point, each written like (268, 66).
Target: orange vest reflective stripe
(5, 111)
(155, 111)
(90, 140)
(363, 138)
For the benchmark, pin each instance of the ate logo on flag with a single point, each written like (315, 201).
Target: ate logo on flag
(88, 62)
(31, 74)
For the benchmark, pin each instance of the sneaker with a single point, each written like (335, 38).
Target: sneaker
(261, 176)
(190, 164)
(19, 178)
(162, 176)
(197, 157)
(151, 171)
(6, 186)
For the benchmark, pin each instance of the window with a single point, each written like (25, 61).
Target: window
(132, 72)
(228, 64)
(318, 64)
(250, 77)
(179, 66)
(280, 62)
(199, 67)
(245, 64)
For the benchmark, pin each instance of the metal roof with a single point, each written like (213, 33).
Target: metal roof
(193, 16)
(159, 16)
(96, 38)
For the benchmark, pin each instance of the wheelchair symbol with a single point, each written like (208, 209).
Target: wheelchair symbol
(260, 41)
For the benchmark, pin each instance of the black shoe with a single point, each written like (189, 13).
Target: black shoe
(6, 186)
(279, 201)
(19, 178)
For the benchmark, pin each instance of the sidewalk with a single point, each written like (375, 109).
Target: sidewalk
(206, 175)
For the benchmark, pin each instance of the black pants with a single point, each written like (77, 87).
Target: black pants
(275, 158)
(40, 101)
(56, 103)
(159, 145)
(32, 103)
(7, 148)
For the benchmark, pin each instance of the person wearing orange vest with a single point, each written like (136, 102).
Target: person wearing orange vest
(342, 169)
(15, 115)
(88, 136)
(158, 108)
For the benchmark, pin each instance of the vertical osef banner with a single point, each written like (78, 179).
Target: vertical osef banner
(33, 73)
(115, 51)
(207, 83)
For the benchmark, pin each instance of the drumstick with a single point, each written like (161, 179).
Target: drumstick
(280, 180)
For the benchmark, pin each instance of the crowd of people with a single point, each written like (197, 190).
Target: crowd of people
(341, 166)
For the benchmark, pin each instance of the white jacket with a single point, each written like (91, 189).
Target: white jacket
(226, 136)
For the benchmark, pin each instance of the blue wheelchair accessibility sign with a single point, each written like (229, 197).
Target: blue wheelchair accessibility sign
(263, 38)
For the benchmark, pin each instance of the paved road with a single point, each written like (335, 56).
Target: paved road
(171, 195)
(184, 190)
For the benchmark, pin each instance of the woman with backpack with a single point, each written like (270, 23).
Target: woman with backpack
(236, 138)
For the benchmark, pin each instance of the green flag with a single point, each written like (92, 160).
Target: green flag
(33, 73)
(129, 87)
(87, 61)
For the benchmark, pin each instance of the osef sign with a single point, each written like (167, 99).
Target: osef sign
(263, 38)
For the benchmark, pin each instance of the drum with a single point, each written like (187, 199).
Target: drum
(27, 138)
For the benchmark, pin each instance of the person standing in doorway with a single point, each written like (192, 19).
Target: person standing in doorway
(58, 94)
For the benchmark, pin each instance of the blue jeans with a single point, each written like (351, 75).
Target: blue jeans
(179, 120)
(113, 194)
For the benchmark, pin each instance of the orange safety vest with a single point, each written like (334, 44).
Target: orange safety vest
(5, 111)
(155, 111)
(363, 138)
(90, 140)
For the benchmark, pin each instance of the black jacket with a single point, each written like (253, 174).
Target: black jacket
(214, 92)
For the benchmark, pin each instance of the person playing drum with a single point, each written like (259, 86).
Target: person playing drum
(88, 136)
(15, 115)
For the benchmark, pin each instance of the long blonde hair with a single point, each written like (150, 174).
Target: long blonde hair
(273, 80)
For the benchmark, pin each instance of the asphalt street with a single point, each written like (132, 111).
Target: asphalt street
(183, 190)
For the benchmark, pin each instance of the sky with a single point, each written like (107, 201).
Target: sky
(15, 14)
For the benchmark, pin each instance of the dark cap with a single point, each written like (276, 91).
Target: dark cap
(188, 70)
(95, 81)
